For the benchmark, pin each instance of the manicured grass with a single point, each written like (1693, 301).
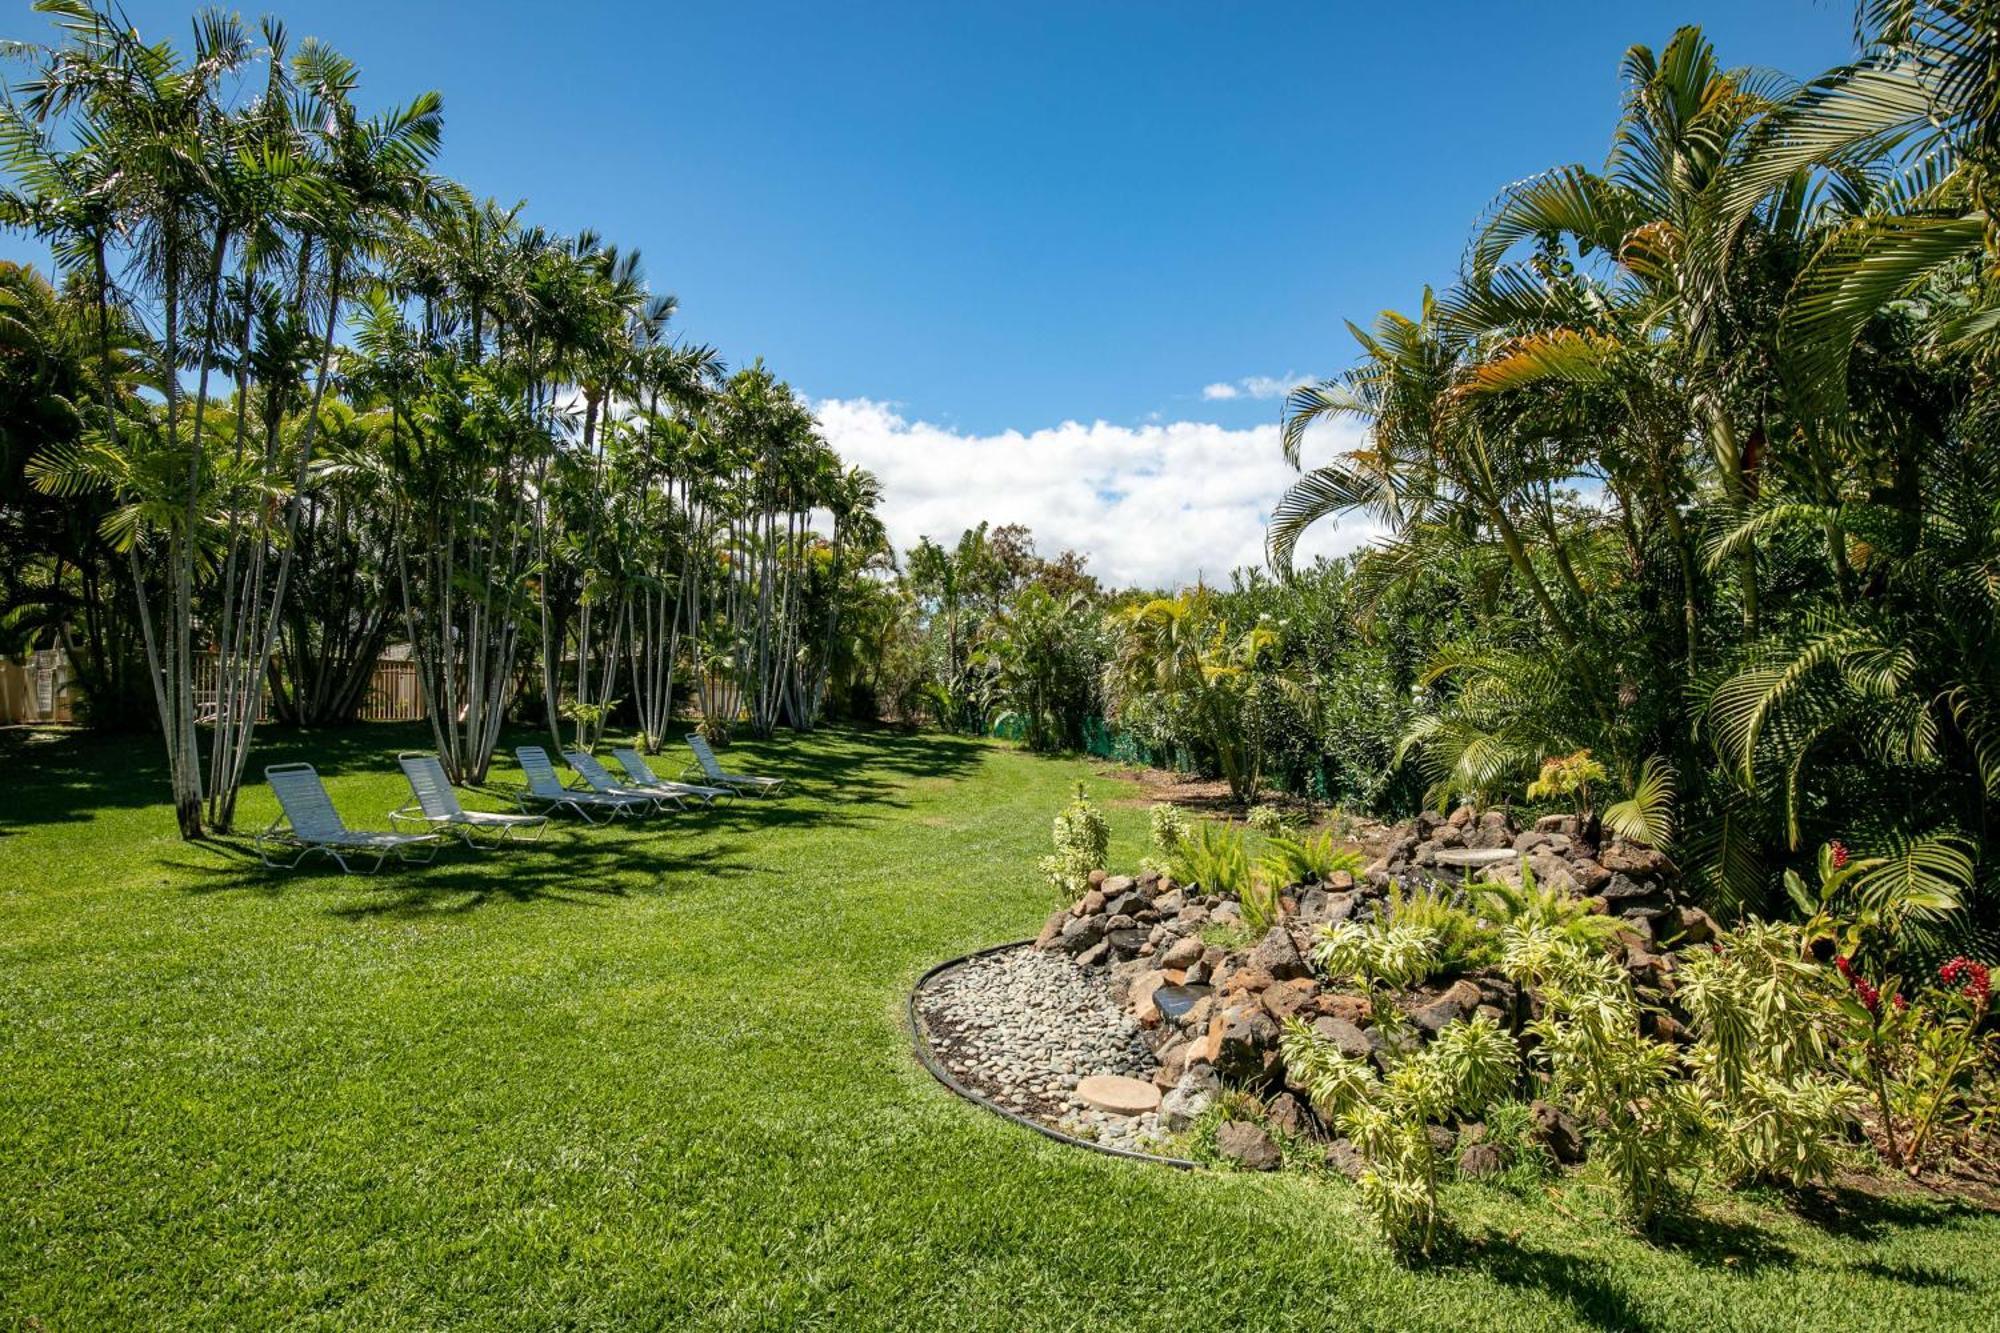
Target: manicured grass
(658, 1077)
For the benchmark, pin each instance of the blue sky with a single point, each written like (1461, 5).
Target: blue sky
(967, 224)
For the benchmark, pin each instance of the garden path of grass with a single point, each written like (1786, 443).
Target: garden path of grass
(658, 1077)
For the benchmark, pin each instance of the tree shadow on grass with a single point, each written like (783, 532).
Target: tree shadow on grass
(67, 776)
(566, 866)
(1583, 1285)
(1869, 1214)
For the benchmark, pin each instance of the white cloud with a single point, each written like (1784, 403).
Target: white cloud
(1255, 386)
(1152, 505)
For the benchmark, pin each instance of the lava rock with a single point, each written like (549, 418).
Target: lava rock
(1248, 1146)
(1557, 1132)
(1287, 998)
(1344, 1157)
(1190, 1099)
(1278, 955)
(1481, 1159)
(1288, 1114)
(1344, 1037)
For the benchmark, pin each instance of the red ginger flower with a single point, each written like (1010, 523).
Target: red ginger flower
(1845, 966)
(1839, 849)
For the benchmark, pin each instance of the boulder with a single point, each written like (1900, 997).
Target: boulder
(1340, 880)
(1141, 997)
(1554, 1129)
(1481, 1159)
(1183, 952)
(1190, 1099)
(1530, 840)
(1197, 972)
(1354, 1008)
(1629, 858)
(1096, 955)
(1117, 884)
(1243, 1041)
(1694, 926)
(1621, 889)
(1278, 955)
(1590, 876)
(1248, 1146)
(1457, 1002)
(1286, 999)
(1123, 975)
(1248, 979)
(1462, 816)
(1097, 877)
(1563, 824)
(1552, 872)
(1052, 928)
(1288, 1115)
(1089, 905)
(1126, 904)
(1172, 1059)
(1081, 933)
(1344, 1037)
(1169, 903)
(1344, 1157)
(1444, 1142)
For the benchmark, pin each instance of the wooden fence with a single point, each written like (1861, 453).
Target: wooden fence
(37, 690)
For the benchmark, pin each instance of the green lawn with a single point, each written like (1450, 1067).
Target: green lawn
(659, 1077)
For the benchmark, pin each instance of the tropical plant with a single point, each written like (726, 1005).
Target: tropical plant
(1388, 1117)
(1307, 858)
(1082, 841)
(1644, 1119)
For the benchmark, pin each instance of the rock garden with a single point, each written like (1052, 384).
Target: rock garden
(1468, 997)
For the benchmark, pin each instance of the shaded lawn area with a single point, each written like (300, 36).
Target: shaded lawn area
(658, 1076)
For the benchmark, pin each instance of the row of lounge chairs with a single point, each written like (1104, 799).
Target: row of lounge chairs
(309, 823)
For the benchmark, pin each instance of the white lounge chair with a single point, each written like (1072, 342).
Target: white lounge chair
(436, 805)
(641, 775)
(600, 780)
(546, 790)
(315, 826)
(714, 773)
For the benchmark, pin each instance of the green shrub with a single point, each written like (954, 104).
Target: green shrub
(1510, 1127)
(1306, 858)
(1764, 1020)
(1463, 941)
(1643, 1119)
(1532, 907)
(1388, 1119)
(1265, 819)
(1212, 855)
(1082, 841)
(1168, 826)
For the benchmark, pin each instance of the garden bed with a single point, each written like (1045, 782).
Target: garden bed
(1028, 1034)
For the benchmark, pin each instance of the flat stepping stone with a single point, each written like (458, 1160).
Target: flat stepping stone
(1116, 1094)
(1473, 858)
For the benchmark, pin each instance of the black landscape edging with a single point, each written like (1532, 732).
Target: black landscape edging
(944, 1076)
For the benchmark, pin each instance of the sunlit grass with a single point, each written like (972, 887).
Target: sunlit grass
(656, 1076)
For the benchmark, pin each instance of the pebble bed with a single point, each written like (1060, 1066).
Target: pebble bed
(1022, 1027)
